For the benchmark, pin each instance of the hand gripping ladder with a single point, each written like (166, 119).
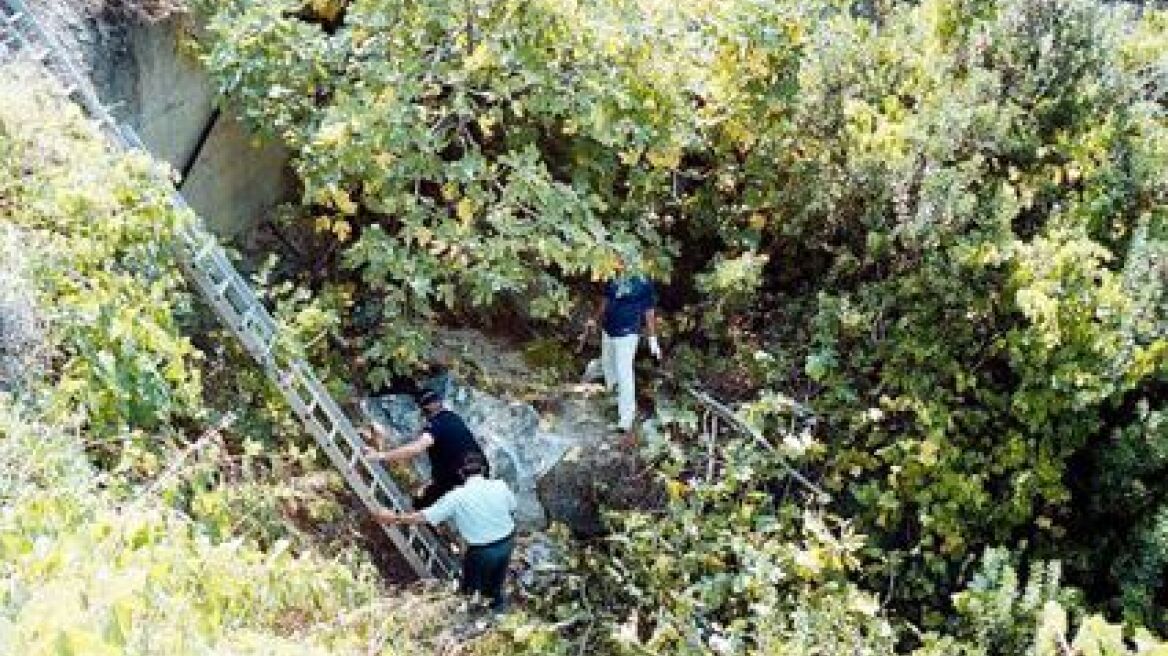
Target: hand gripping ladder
(233, 300)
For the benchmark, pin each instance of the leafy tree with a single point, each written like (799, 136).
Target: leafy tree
(940, 225)
(468, 152)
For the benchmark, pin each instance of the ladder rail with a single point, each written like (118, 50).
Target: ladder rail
(243, 313)
(236, 305)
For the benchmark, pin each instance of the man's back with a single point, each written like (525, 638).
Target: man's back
(452, 442)
(481, 509)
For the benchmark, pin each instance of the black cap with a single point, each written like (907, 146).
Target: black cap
(429, 396)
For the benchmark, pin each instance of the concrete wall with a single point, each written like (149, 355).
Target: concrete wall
(170, 99)
(149, 81)
(236, 179)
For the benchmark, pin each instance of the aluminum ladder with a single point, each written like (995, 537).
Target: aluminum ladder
(225, 290)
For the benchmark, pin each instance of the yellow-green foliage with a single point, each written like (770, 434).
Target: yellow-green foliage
(101, 225)
(941, 224)
(92, 563)
(83, 571)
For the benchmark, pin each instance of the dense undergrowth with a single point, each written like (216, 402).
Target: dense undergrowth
(938, 225)
(132, 523)
(89, 571)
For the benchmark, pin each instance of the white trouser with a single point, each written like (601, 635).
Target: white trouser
(616, 356)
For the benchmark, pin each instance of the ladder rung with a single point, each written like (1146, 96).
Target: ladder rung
(208, 247)
(265, 350)
(219, 257)
(248, 320)
(415, 539)
(231, 297)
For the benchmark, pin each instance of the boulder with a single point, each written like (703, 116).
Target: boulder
(571, 490)
(554, 462)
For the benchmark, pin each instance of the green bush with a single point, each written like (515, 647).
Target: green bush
(941, 225)
(971, 285)
(86, 571)
(1001, 613)
(102, 227)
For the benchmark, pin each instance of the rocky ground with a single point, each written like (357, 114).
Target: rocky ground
(551, 442)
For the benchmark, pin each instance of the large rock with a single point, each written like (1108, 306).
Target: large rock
(553, 447)
(554, 462)
(518, 450)
(572, 489)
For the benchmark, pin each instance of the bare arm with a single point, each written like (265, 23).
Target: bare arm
(386, 516)
(404, 452)
(651, 322)
(442, 510)
(376, 433)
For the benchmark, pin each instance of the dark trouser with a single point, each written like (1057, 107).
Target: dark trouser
(484, 569)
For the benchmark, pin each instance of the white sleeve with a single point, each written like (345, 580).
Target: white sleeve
(442, 509)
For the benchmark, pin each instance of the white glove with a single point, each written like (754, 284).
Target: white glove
(655, 347)
(593, 371)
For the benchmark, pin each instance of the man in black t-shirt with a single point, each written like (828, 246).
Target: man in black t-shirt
(445, 439)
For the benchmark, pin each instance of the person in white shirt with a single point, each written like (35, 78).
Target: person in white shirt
(481, 509)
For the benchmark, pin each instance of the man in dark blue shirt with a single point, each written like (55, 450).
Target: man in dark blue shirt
(447, 441)
(627, 308)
